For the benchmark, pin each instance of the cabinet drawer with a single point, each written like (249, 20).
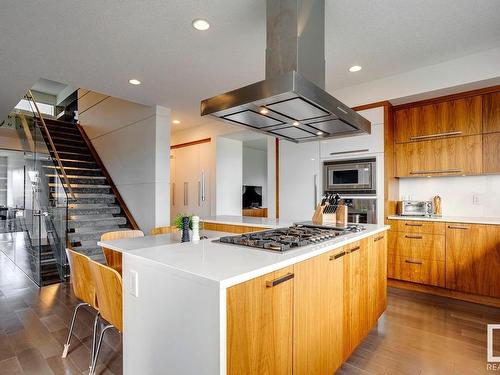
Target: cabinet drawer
(421, 271)
(414, 226)
(417, 246)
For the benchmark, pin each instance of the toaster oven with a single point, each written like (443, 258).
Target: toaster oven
(415, 208)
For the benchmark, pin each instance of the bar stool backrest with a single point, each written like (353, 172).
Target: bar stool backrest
(114, 258)
(81, 277)
(108, 286)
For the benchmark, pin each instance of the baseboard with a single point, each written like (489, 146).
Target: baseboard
(483, 300)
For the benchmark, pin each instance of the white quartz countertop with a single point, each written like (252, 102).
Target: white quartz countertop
(225, 264)
(450, 219)
(248, 221)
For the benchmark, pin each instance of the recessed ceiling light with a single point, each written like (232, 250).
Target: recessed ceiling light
(355, 68)
(134, 82)
(319, 133)
(264, 111)
(295, 123)
(176, 122)
(201, 24)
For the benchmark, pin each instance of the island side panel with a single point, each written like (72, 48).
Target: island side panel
(173, 325)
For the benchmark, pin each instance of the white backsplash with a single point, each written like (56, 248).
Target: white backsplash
(476, 196)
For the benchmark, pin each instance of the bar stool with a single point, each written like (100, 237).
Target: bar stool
(83, 288)
(163, 230)
(114, 258)
(108, 287)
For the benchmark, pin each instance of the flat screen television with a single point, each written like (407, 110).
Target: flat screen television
(252, 196)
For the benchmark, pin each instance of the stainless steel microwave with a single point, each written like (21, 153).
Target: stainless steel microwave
(350, 176)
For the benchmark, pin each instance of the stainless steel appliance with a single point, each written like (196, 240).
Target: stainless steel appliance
(291, 103)
(415, 208)
(350, 176)
(284, 239)
(361, 210)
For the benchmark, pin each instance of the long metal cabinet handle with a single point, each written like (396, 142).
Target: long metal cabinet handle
(280, 280)
(203, 195)
(199, 193)
(186, 193)
(349, 152)
(411, 261)
(315, 182)
(337, 256)
(457, 227)
(437, 171)
(354, 249)
(414, 237)
(436, 135)
(378, 238)
(413, 225)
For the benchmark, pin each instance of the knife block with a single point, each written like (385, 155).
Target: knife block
(323, 217)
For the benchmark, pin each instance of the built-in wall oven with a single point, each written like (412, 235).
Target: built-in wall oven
(361, 209)
(350, 176)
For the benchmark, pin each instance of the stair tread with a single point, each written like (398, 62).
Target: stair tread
(88, 195)
(70, 176)
(90, 205)
(72, 168)
(88, 186)
(78, 161)
(89, 217)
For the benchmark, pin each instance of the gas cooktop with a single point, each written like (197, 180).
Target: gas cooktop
(283, 239)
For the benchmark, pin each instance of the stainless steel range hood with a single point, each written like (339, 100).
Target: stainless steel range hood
(291, 102)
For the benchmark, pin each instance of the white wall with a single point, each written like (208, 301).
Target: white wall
(228, 176)
(457, 193)
(271, 177)
(133, 142)
(255, 170)
(482, 66)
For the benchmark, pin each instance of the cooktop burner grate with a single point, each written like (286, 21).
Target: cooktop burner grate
(283, 239)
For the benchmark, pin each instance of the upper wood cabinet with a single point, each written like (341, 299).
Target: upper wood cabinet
(491, 112)
(491, 152)
(318, 311)
(260, 325)
(473, 258)
(447, 119)
(441, 157)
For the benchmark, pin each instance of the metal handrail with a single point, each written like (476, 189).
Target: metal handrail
(52, 146)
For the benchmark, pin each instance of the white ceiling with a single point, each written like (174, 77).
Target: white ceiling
(100, 45)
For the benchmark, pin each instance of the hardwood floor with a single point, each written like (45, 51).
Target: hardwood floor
(419, 334)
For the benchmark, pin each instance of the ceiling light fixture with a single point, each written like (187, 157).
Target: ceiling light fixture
(134, 82)
(264, 111)
(201, 24)
(176, 122)
(355, 68)
(319, 133)
(295, 123)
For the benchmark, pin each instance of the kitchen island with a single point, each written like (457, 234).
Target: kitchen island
(215, 308)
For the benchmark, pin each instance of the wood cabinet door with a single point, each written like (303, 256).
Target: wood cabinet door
(406, 123)
(441, 157)
(491, 112)
(473, 258)
(260, 324)
(318, 314)
(491, 153)
(377, 276)
(356, 322)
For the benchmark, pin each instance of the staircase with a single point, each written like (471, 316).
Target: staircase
(95, 209)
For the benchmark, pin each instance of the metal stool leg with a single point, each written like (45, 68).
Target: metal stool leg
(68, 340)
(94, 337)
(101, 336)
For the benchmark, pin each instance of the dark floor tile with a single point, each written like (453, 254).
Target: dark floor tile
(53, 322)
(62, 366)
(5, 348)
(11, 366)
(33, 363)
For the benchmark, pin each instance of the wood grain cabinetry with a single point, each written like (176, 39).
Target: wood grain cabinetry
(311, 322)
(416, 252)
(473, 258)
(260, 325)
(446, 119)
(491, 112)
(231, 228)
(491, 152)
(318, 312)
(254, 212)
(448, 156)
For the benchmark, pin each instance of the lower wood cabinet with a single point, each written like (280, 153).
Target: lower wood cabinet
(318, 314)
(309, 317)
(473, 258)
(231, 228)
(421, 271)
(260, 325)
